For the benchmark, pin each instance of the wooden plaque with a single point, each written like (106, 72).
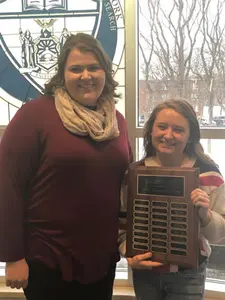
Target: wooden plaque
(160, 215)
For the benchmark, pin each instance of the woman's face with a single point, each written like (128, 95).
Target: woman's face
(170, 133)
(84, 77)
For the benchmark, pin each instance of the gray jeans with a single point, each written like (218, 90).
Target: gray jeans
(188, 284)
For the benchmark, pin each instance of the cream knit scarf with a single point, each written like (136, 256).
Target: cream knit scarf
(100, 125)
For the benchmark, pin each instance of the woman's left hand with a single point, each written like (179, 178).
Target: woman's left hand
(201, 199)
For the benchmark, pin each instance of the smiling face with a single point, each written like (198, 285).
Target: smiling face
(170, 133)
(84, 77)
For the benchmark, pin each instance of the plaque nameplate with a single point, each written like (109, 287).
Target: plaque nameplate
(160, 185)
(160, 215)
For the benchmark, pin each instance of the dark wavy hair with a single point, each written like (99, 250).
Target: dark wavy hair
(84, 43)
(181, 106)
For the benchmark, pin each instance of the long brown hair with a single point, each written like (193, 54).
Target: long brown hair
(84, 43)
(181, 106)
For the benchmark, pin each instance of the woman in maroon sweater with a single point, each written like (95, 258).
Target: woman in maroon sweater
(62, 161)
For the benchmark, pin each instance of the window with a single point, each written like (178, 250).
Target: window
(179, 54)
(30, 46)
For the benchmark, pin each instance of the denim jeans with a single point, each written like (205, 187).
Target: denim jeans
(187, 284)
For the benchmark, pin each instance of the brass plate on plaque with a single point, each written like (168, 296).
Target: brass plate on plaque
(160, 215)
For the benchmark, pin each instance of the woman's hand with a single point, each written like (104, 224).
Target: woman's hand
(201, 199)
(141, 261)
(16, 274)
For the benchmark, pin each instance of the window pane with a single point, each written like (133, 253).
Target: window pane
(122, 269)
(216, 265)
(181, 54)
(213, 148)
(28, 53)
(2, 269)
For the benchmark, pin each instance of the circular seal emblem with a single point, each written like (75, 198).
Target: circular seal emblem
(32, 34)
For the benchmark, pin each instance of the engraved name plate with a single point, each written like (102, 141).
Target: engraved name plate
(160, 215)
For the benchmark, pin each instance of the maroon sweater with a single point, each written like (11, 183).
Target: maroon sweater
(59, 193)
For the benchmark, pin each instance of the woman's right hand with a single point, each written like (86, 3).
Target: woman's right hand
(142, 261)
(16, 274)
